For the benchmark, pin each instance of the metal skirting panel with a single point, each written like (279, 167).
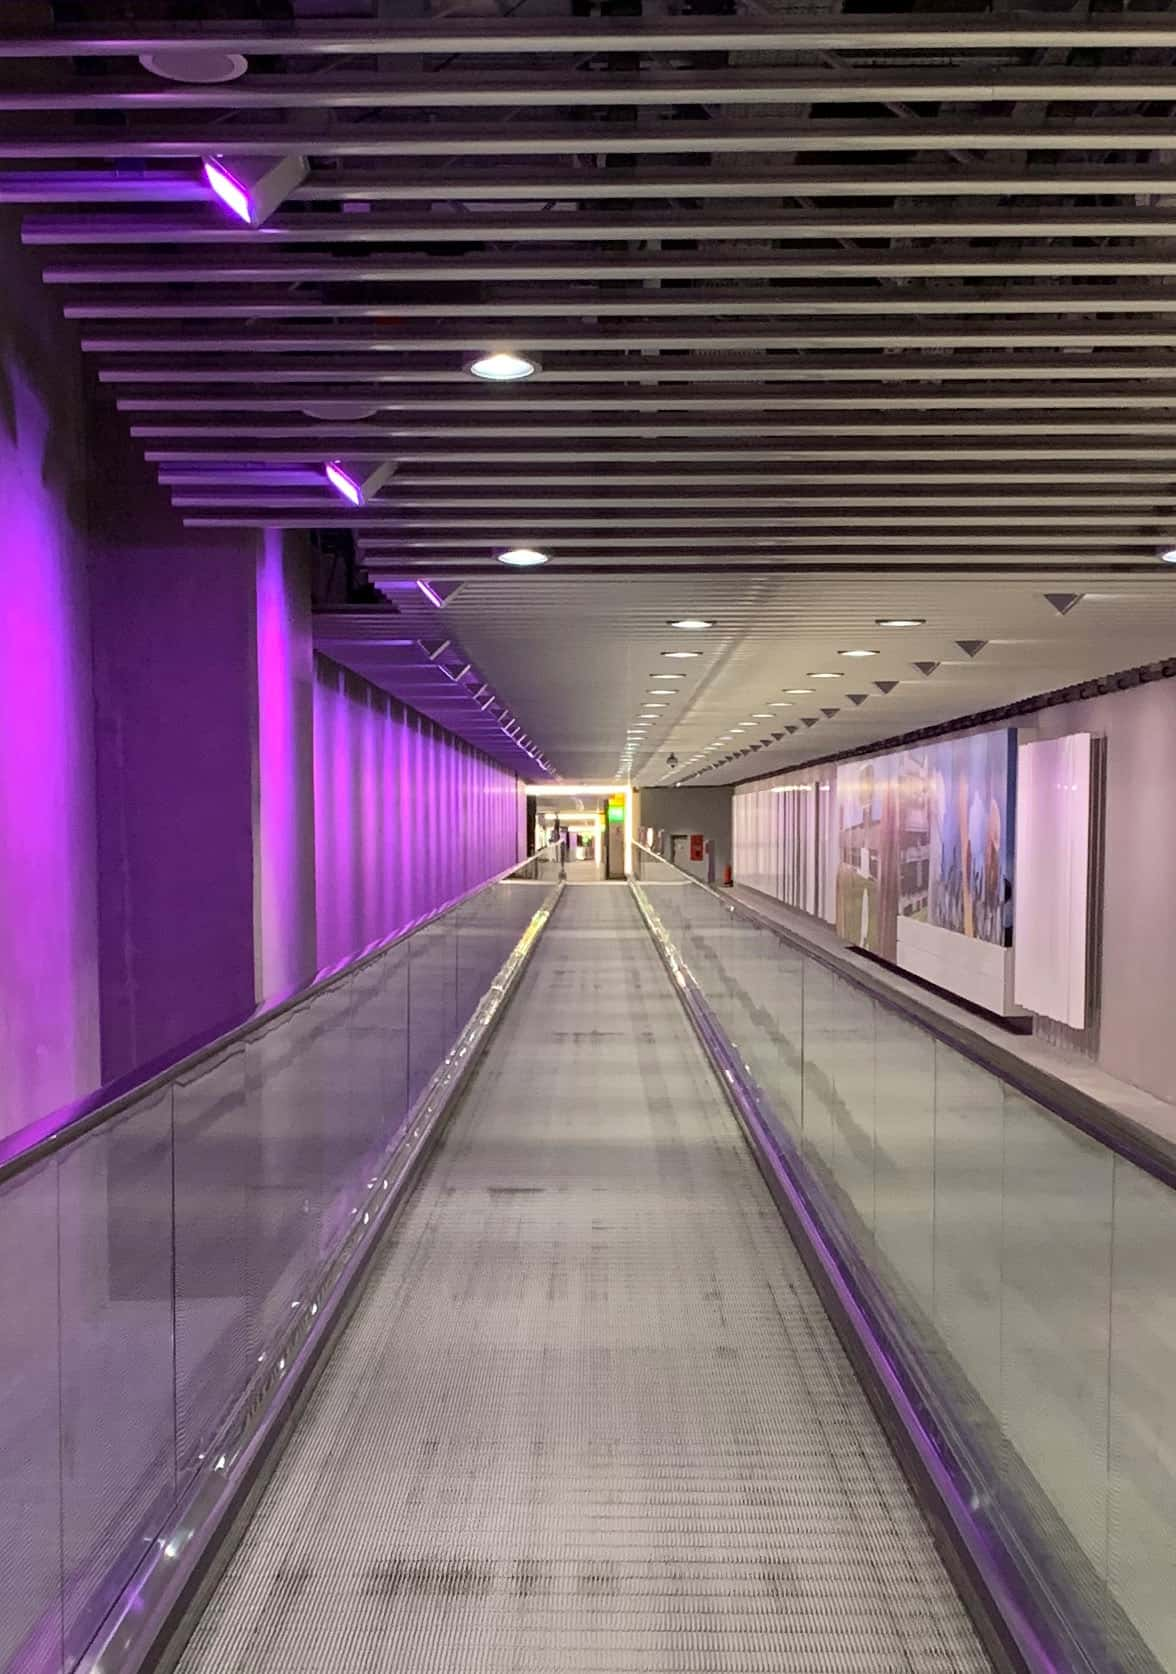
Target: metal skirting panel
(590, 1414)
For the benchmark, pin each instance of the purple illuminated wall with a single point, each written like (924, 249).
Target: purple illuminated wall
(164, 825)
(283, 860)
(175, 674)
(48, 929)
(406, 816)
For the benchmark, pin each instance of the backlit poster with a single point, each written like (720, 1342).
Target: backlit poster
(925, 834)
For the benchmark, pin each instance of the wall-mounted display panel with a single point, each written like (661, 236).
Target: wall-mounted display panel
(1055, 806)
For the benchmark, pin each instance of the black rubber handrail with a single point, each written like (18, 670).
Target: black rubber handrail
(1120, 1133)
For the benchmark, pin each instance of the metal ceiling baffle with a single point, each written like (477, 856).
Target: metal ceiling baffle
(825, 293)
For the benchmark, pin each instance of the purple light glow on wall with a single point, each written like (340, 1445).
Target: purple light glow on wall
(48, 914)
(175, 676)
(406, 817)
(428, 672)
(343, 483)
(284, 938)
(228, 190)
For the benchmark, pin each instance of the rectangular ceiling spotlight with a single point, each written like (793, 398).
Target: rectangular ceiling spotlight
(358, 483)
(255, 187)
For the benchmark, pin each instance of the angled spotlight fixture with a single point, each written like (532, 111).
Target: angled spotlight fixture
(358, 483)
(503, 366)
(254, 188)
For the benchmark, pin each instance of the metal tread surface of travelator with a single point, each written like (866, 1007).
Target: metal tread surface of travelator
(589, 1413)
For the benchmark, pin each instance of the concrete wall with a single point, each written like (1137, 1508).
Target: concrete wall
(406, 817)
(162, 856)
(283, 859)
(706, 809)
(49, 1037)
(174, 677)
(1133, 1037)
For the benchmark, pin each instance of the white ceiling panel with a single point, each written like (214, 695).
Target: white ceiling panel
(578, 659)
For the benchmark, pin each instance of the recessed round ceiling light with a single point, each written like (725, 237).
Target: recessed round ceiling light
(857, 653)
(780, 704)
(667, 674)
(681, 653)
(522, 557)
(799, 691)
(502, 366)
(761, 717)
(692, 624)
(340, 412)
(202, 66)
(1168, 556)
(656, 693)
(900, 621)
(818, 674)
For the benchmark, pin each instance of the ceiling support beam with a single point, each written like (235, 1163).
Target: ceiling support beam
(1054, 508)
(1139, 262)
(575, 139)
(620, 341)
(1021, 454)
(474, 182)
(1101, 405)
(644, 529)
(1050, 301)
(833, 33)
(455, 475)
(1108, 83)
(353, 438)
(550, 227)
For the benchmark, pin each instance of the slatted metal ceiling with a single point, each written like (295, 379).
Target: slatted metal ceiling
(833, 309)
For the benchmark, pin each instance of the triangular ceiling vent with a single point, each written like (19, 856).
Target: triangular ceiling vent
(971, 647)
(886, 686)
(857, 697)
(925, 668)
(1063, 603)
